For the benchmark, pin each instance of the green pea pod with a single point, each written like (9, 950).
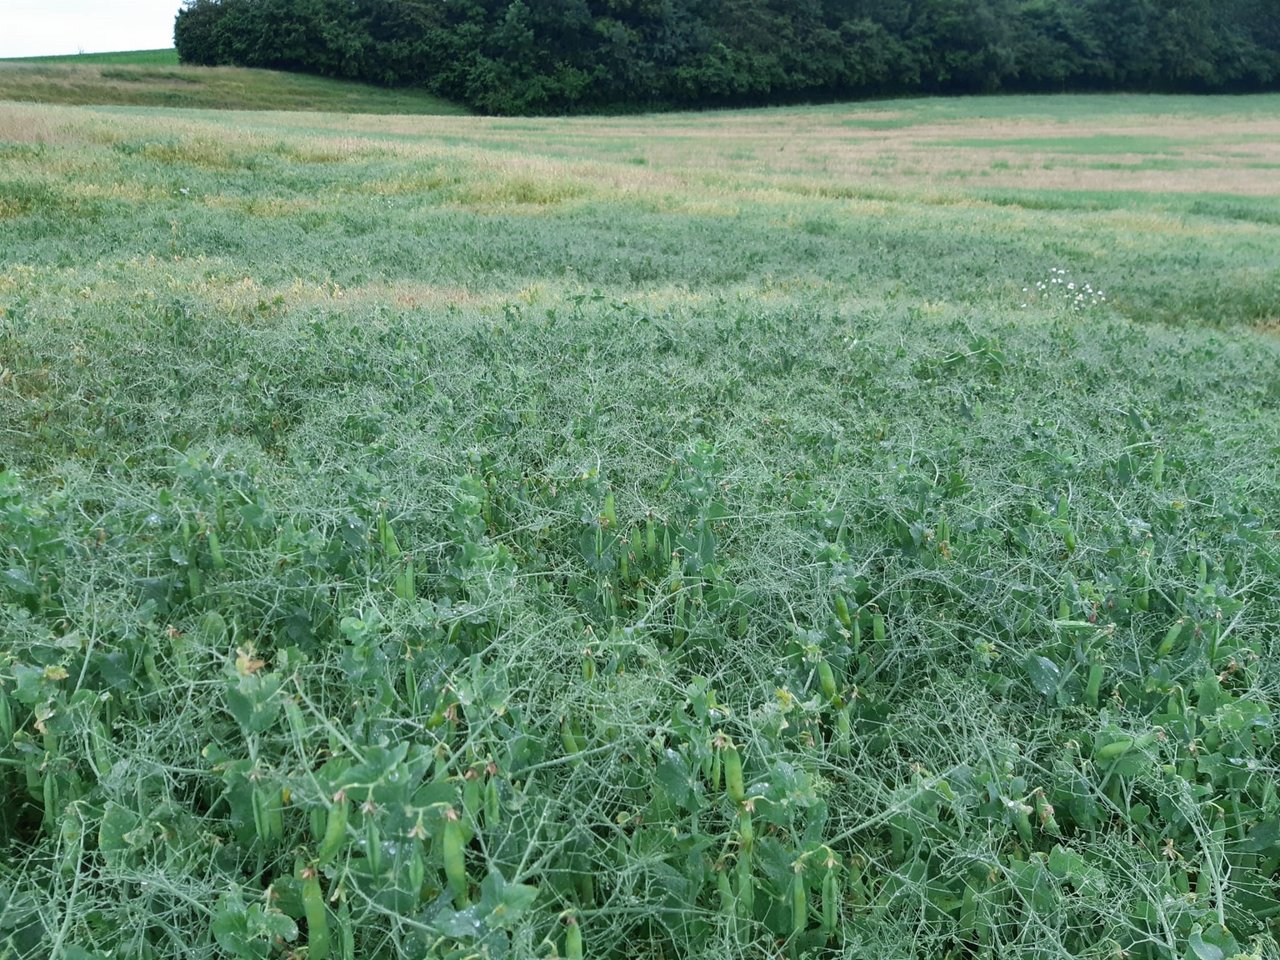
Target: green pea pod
(799, 904)
(101, 758)
(6, 717)
(568, 738)
(746, 887)
(573, 940)
(275, 814)
(347, 932)
(1144, 592)
(827, 679)
(1157, 470)
(50, 792)
(417, 871)
(842, 612)
(472, 797)
(968, 912)
(215, 552)
(728, 902)
(1116, 749)
(261, 827)
(746, 829)
(857, 887)
(734, 785)
(844, 730)
(1171, 637)
(455, 858)
(830, 901)
(877, 627)
(293, 713)
(317, 916)
(492, 803)
(335, 828)
(373, 843)
(1022, 821)
(1094, 683)
(717, 768)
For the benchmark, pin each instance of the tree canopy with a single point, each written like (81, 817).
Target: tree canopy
(556, 56)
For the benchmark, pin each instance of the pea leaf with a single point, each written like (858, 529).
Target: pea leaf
(1044, 674)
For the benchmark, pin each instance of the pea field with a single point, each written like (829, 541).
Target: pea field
(847, 531)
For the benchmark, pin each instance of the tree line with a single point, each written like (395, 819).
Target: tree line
(556, 56)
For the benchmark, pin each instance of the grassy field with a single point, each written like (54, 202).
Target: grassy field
(155, 58)
(843, 531)
(154, 78)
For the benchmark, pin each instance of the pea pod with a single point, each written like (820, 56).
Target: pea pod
(734, 785)
(372, 840)
(1144, 592)
(746, 886)
(799, 903)
(586, 887)
(215, 551)
(417, 871)
(968, 912)
(454, 856)
(51, 809)
(492, 803)
(347, 932)
(1157, 470)
(746, 829)
(1022, 822)
(830, 900)
(1171, 637)
(842, 612)
(261, 826)
(472, 795)
(99, 740)
(1093, 685)
(827, 679)
(568, 738)
(275, 813)
(728, 902)
(877, 627)
(317, 916)
(293, 713)
(844, 731)
(6, 716)
(335, 828)
(318, 819)
(1118, 748)
(573, 940)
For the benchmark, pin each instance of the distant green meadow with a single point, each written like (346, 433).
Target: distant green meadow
(154, 78)
(842, 531)
(149, 57)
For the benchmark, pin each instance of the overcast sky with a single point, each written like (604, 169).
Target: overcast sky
(32, 28)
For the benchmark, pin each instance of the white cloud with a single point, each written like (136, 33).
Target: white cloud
(31, 28)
